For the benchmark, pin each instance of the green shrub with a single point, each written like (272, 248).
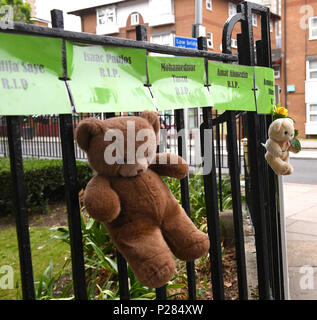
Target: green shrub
(44, 182)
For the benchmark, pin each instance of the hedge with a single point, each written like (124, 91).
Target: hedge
(44, 183)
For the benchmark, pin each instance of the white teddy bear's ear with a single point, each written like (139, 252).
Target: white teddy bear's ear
(277, 124)
(290, 120)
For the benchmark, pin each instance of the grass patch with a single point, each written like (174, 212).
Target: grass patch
(55, 251)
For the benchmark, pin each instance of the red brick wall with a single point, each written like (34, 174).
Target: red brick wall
(184, 19)
(298, 47)
(89, 22)
(214, 21)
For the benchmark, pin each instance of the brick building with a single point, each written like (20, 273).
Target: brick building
(164, 19)
(167, 19)
(299, 63)
(35, 19)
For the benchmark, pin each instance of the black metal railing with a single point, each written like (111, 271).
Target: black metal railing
(260, 184)
(40, 137)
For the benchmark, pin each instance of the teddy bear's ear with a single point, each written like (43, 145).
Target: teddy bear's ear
(86, 130)
(276, 125)
(152, 118)
(291, 121)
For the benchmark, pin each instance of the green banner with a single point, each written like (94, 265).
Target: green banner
(265, 94)
(29, 70)
(106, 79)
(232, 86)
(178, 82)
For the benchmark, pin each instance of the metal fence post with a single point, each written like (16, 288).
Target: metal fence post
(219, 165)
(181, 146)
(234, 170)
(273, 209)
(211, 200)
(256, 161)
(71, 187)
(123, 277)
(21, 215)
(141, 35)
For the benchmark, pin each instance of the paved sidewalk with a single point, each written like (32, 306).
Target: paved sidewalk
(309, 150)
(301, 228)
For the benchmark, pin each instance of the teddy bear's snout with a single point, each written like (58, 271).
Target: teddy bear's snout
(132, 170)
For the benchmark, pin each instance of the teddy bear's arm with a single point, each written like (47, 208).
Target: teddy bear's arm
(101, 201)
(273, 148)
(169, 165)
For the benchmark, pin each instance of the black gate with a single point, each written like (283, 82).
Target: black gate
(261, 183)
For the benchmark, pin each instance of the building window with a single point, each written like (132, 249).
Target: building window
(312, 113)
(271, 26)
(277, 72)
(313, 28)
(166, 39)
(312, 70)
(135, 19)
(232, 9)
(234, 43)
(209, 5)
(210, 40)
(254, 20)
(106, 15)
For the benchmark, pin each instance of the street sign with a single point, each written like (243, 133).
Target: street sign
(291, 88)
(189, 43)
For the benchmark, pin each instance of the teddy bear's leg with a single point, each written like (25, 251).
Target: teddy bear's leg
(147, 253)
(182, 236)
(279, 166)
(290, 168)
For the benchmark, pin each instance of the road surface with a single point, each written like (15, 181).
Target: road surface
(305, 171)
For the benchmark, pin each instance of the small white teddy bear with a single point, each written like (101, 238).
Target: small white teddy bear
(281, 132)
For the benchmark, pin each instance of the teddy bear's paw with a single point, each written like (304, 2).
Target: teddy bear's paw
(281, 169)
(191, 246)
(289, 170)
(104, 214)
(199, 249)
(155, 275)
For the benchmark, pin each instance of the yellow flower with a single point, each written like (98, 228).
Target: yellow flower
(281, 110)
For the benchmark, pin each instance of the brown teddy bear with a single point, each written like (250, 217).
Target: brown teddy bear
(127, 194)
(281, 132)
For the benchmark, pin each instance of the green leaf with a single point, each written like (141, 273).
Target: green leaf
(295, 133)
(89, 224)
(176, 286)
(112, 263)
(296, 144)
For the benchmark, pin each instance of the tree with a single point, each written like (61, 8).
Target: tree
(21, 10)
